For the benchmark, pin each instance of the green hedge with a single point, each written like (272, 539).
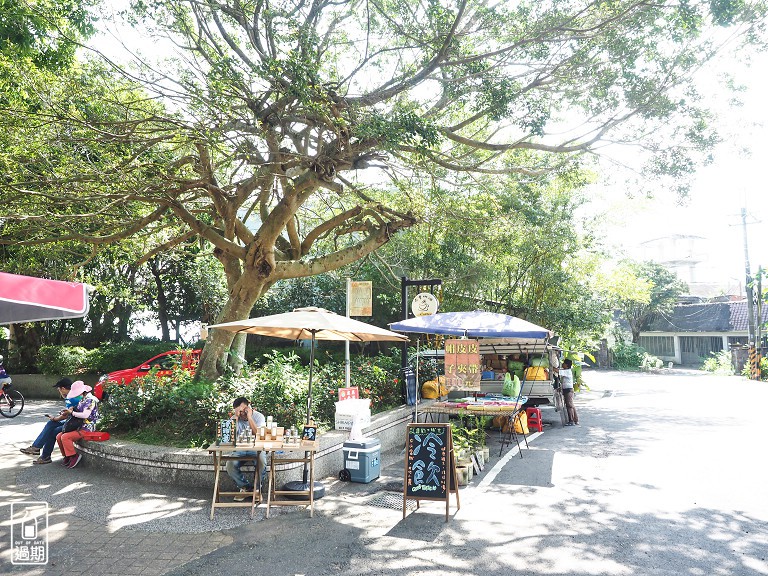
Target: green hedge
(188, 411)
(628, 356)
(58, 360)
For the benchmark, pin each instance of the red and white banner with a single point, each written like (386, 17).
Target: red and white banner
(28, 299)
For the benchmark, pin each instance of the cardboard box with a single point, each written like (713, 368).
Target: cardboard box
(344, 421)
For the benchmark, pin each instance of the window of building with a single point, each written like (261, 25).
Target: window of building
(658, 345)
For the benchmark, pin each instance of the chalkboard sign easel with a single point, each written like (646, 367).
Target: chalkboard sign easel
(430, 469)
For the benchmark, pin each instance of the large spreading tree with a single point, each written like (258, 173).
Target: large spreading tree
(257, 136)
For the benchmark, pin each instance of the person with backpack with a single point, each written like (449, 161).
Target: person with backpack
(46, 440)
(82, 418)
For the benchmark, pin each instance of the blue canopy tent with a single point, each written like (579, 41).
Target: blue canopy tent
(499, 334)
(475, 324)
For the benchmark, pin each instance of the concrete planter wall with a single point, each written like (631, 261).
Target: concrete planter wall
(40, 386)
(194, 467)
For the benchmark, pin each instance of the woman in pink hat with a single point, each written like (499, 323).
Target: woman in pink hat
(87, 410)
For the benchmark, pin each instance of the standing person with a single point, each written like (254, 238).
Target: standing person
(46, 440)
(566, 381)
(4, 378)
(247, 418)
(88, 411)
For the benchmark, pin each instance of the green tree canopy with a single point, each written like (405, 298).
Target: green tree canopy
(252, 139)
(640, 290)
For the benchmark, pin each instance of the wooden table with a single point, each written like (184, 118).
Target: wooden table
(277, 497)
(223, 454)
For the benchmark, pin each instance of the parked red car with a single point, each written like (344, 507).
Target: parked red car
(161, 365)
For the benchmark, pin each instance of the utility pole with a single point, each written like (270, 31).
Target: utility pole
(754, 362)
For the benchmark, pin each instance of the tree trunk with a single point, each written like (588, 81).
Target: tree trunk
(162, 302)
(242, 298)
(237, 357)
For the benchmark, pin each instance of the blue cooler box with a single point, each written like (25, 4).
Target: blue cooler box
(363, 459)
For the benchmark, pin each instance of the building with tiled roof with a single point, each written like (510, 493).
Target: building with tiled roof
(692, 332)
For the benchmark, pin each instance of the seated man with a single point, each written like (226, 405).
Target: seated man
(46, 440)
(246, 417)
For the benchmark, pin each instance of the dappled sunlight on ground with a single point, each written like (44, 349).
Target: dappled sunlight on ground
(149, 507)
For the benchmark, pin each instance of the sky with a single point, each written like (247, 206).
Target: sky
(735, 180)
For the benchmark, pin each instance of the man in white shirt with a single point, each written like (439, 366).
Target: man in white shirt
(247, 418)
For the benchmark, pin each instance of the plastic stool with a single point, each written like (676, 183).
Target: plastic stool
(534, 419)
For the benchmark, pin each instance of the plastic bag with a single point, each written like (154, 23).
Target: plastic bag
(356, 432)
(515, 387)
(506, 389)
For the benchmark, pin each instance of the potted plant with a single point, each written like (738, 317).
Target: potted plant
(461, 443)
(462, 448)
(481, 425)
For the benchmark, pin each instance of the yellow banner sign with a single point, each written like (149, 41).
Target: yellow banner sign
(360, 298)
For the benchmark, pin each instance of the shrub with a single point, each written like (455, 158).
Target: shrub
(60, 360)
(377, 378)
(763, 369)
(277, 387)
(719, 363)
(628, 356)
(188, 411)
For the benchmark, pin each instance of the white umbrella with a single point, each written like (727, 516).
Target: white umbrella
(310, 324)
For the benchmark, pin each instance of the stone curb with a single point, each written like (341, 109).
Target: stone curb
(194, 466)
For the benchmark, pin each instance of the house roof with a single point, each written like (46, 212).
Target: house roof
(711, 317)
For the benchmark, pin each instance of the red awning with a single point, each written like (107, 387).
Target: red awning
(28, 299)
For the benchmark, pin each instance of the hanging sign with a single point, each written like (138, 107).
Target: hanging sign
(462, 365)
(353, 392)
(360, 298)
(424, 304)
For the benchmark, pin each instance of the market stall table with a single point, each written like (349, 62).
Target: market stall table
(509, 410)
(223, 453)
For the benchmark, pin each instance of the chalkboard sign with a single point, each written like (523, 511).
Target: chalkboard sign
(309, 433)
(226, 431)
(430, 471)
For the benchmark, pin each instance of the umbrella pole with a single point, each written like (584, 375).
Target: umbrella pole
(305, 473)
(303, 486)
(311, 367)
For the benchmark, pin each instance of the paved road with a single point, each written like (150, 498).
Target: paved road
(665, 476)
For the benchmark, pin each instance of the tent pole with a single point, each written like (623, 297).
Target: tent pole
(416, 410)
